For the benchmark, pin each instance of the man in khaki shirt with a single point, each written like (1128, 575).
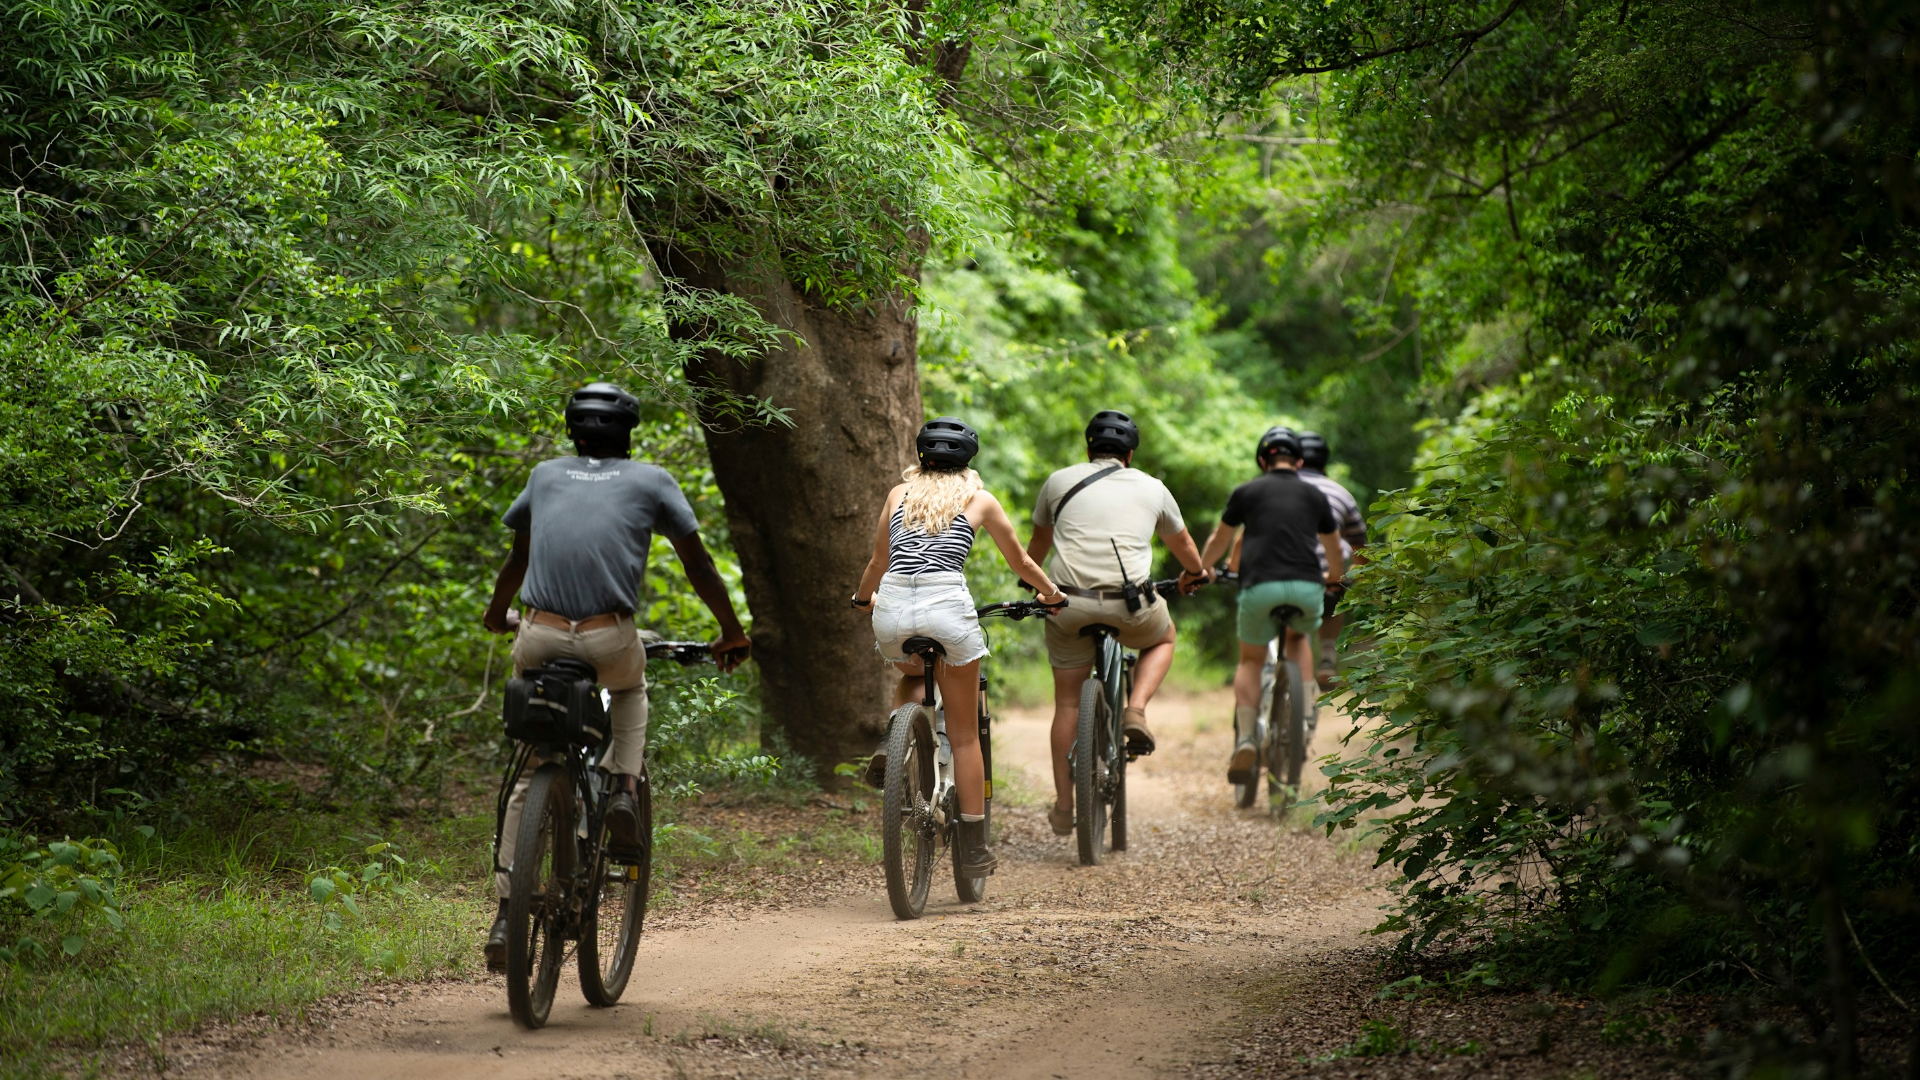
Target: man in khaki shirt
(1099, 519)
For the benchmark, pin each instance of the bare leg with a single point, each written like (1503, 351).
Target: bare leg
(1066, 724)
(1330, 632)
(909, 687)
(960, 693)
(1300, 651)
(1246, 677)
(1151, 670)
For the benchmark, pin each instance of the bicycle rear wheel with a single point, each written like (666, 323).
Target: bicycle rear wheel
(1089, 772)
(1290, 735)
(539, 880)
(1120, 799)
(611, 925)
(907, 839)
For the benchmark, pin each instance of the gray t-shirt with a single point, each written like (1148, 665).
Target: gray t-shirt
(591, 522)
(1123, 511)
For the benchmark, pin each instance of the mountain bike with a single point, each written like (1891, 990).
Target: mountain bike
(567, 891)
(920, 811)
(1280, 745)
(1099, 758)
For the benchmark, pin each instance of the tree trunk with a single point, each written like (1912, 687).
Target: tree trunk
(803, 501)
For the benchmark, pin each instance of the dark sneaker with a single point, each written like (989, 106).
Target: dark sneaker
(1240, 769)
(623, 824)
(876, 775)
(1139, 740)
(496, 948)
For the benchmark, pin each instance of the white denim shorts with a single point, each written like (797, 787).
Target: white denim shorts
(935, 605)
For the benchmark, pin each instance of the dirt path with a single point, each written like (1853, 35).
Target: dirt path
(1140, 967)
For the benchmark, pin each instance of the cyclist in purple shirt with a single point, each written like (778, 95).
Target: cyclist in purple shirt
(1314, 454)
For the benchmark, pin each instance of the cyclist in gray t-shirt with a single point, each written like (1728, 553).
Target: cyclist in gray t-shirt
(581, 532)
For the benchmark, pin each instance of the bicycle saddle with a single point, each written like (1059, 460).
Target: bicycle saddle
(577, 669)
(914, 646)
(1092, 628)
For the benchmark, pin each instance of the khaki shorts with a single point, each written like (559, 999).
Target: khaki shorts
(1067, 648)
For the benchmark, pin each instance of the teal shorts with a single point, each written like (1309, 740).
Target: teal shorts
(1257, 603)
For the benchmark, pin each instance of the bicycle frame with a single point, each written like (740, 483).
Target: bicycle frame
(944, 807)
(1113, 668)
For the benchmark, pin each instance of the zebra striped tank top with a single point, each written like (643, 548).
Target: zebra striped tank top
(910, 551)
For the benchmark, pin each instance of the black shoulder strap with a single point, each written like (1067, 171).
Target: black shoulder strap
(1076, 489)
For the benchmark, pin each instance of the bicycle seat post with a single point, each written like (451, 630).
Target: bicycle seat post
(928, 658)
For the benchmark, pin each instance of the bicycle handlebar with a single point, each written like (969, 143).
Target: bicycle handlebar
(685, 653)
(1168, 588)
(1018, 609)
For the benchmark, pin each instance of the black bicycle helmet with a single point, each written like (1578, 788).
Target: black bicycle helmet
(1277, 442)
(1113, 431)
(946, 442)
(1314, 451)
(600, 406)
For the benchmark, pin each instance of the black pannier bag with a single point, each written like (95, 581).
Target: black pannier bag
(556, 704)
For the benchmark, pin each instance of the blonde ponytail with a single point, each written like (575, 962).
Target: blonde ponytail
(936, 496)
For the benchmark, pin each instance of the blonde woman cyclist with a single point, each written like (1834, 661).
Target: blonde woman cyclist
(915, 586)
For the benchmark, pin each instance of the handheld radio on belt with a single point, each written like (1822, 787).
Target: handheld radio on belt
(1128, 590)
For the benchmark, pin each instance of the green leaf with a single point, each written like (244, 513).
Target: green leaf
(321, 888)
(72, 944)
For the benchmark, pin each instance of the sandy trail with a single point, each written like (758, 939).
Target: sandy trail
(1139, 967)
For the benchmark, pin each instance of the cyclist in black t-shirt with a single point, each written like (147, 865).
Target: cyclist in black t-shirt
(1289, 525)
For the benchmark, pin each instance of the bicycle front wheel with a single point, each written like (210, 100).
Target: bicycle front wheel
(539, 882)
(907, 833)
(610, 927)
(1089, 772)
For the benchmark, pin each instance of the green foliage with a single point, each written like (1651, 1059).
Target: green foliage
(381, 872)
(1641, 704)
(1381, 1038)
(68, 883)
(200, 947)
(703, 733)
(278, 285)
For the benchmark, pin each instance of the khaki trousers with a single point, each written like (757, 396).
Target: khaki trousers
(620, 657)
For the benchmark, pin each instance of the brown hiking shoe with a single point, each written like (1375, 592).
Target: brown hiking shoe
(1134, 722)
(1240, 769)
(1060, 820)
